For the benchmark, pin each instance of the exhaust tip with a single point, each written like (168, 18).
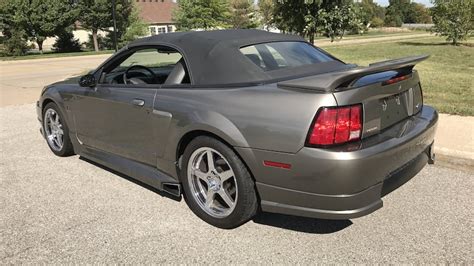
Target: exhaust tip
(431, 154)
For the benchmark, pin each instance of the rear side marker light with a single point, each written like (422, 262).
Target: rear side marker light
(336, 125)
(277, 164)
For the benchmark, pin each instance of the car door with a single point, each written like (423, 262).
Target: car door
(118, 118)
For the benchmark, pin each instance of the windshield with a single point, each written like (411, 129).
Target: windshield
(280, 55)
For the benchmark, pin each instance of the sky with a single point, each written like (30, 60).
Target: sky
(424, 2)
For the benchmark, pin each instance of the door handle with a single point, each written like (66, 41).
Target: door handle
(138, 102)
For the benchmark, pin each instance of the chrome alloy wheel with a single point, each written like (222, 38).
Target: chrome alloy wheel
(53, 129)
(212, 182)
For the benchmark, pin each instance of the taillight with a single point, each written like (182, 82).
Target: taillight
(336, 125)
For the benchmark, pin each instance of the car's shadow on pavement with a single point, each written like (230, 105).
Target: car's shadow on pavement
(302, 224)
(295, 223)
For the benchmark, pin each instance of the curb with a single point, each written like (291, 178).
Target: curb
(466, 155)
(453, 162)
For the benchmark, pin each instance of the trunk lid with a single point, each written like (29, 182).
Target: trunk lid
(389, 91)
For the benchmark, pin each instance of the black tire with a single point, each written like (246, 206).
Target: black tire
(67, 148)
(246, 205)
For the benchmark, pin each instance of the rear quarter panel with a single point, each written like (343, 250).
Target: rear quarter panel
(260, 117)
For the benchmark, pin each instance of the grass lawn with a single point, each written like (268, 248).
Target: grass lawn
(53, 55)
(447, 77)
(375, 34)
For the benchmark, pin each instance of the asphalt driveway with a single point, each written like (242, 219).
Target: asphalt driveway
(22, 81)
(64, 210)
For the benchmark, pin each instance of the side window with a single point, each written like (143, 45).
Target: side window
(145, 66)
(252, 53)
(279, 55)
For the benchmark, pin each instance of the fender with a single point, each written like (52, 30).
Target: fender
(207, 121)
(211, 122)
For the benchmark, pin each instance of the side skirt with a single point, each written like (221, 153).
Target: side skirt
(138, 171)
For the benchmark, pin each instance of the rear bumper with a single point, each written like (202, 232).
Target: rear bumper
(344, 182)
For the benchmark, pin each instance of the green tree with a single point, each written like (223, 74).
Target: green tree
(453, 19)
(14, 38)
(303, 17)
(397, 12)
(136, 28)
(265, 11)
(7, 17)
(44, 18)
(16, 43)
(242, 14)
(370, 13)
(417, 13)
(292, 16)
(66, 42)
(96, 15)
(201, 14)
(338, 20)
(423, 14)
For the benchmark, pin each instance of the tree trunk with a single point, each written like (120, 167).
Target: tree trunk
(40, 45)
(94, 38)
(311, 38)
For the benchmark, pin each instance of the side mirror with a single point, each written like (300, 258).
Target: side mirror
(87, 81)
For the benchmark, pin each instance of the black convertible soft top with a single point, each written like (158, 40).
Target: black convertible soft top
(214, 58)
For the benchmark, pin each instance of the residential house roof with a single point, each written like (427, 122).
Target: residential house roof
(156, 11)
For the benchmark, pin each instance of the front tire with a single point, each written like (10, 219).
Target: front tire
(56, 131)
(217, 185)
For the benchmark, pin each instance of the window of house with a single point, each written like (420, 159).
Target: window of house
(161, 29)
(153, 30)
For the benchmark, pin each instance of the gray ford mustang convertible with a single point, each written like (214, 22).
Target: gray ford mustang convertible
(239, 121)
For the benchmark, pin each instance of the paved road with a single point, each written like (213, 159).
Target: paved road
(21, 81)
(63, 210)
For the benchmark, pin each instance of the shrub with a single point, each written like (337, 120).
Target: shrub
(16, 44)
(376, 22)
(66, 43)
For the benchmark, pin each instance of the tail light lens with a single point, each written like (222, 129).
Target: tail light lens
(336, 125)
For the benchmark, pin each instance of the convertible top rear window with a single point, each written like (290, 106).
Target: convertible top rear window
(280, 55)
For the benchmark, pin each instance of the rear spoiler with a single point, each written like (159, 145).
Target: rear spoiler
(329, 82)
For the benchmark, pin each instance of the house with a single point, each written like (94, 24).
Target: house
(158, 14)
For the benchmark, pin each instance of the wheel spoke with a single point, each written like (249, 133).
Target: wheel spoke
(226, 175)
(60, 140)
(210, 161)
(227, 199)
(199, 174)
(56, 141)
(210, 198)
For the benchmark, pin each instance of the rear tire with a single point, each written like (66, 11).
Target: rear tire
(56, 131)
(222, 193)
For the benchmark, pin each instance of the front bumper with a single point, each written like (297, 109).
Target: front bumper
(348, 181)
